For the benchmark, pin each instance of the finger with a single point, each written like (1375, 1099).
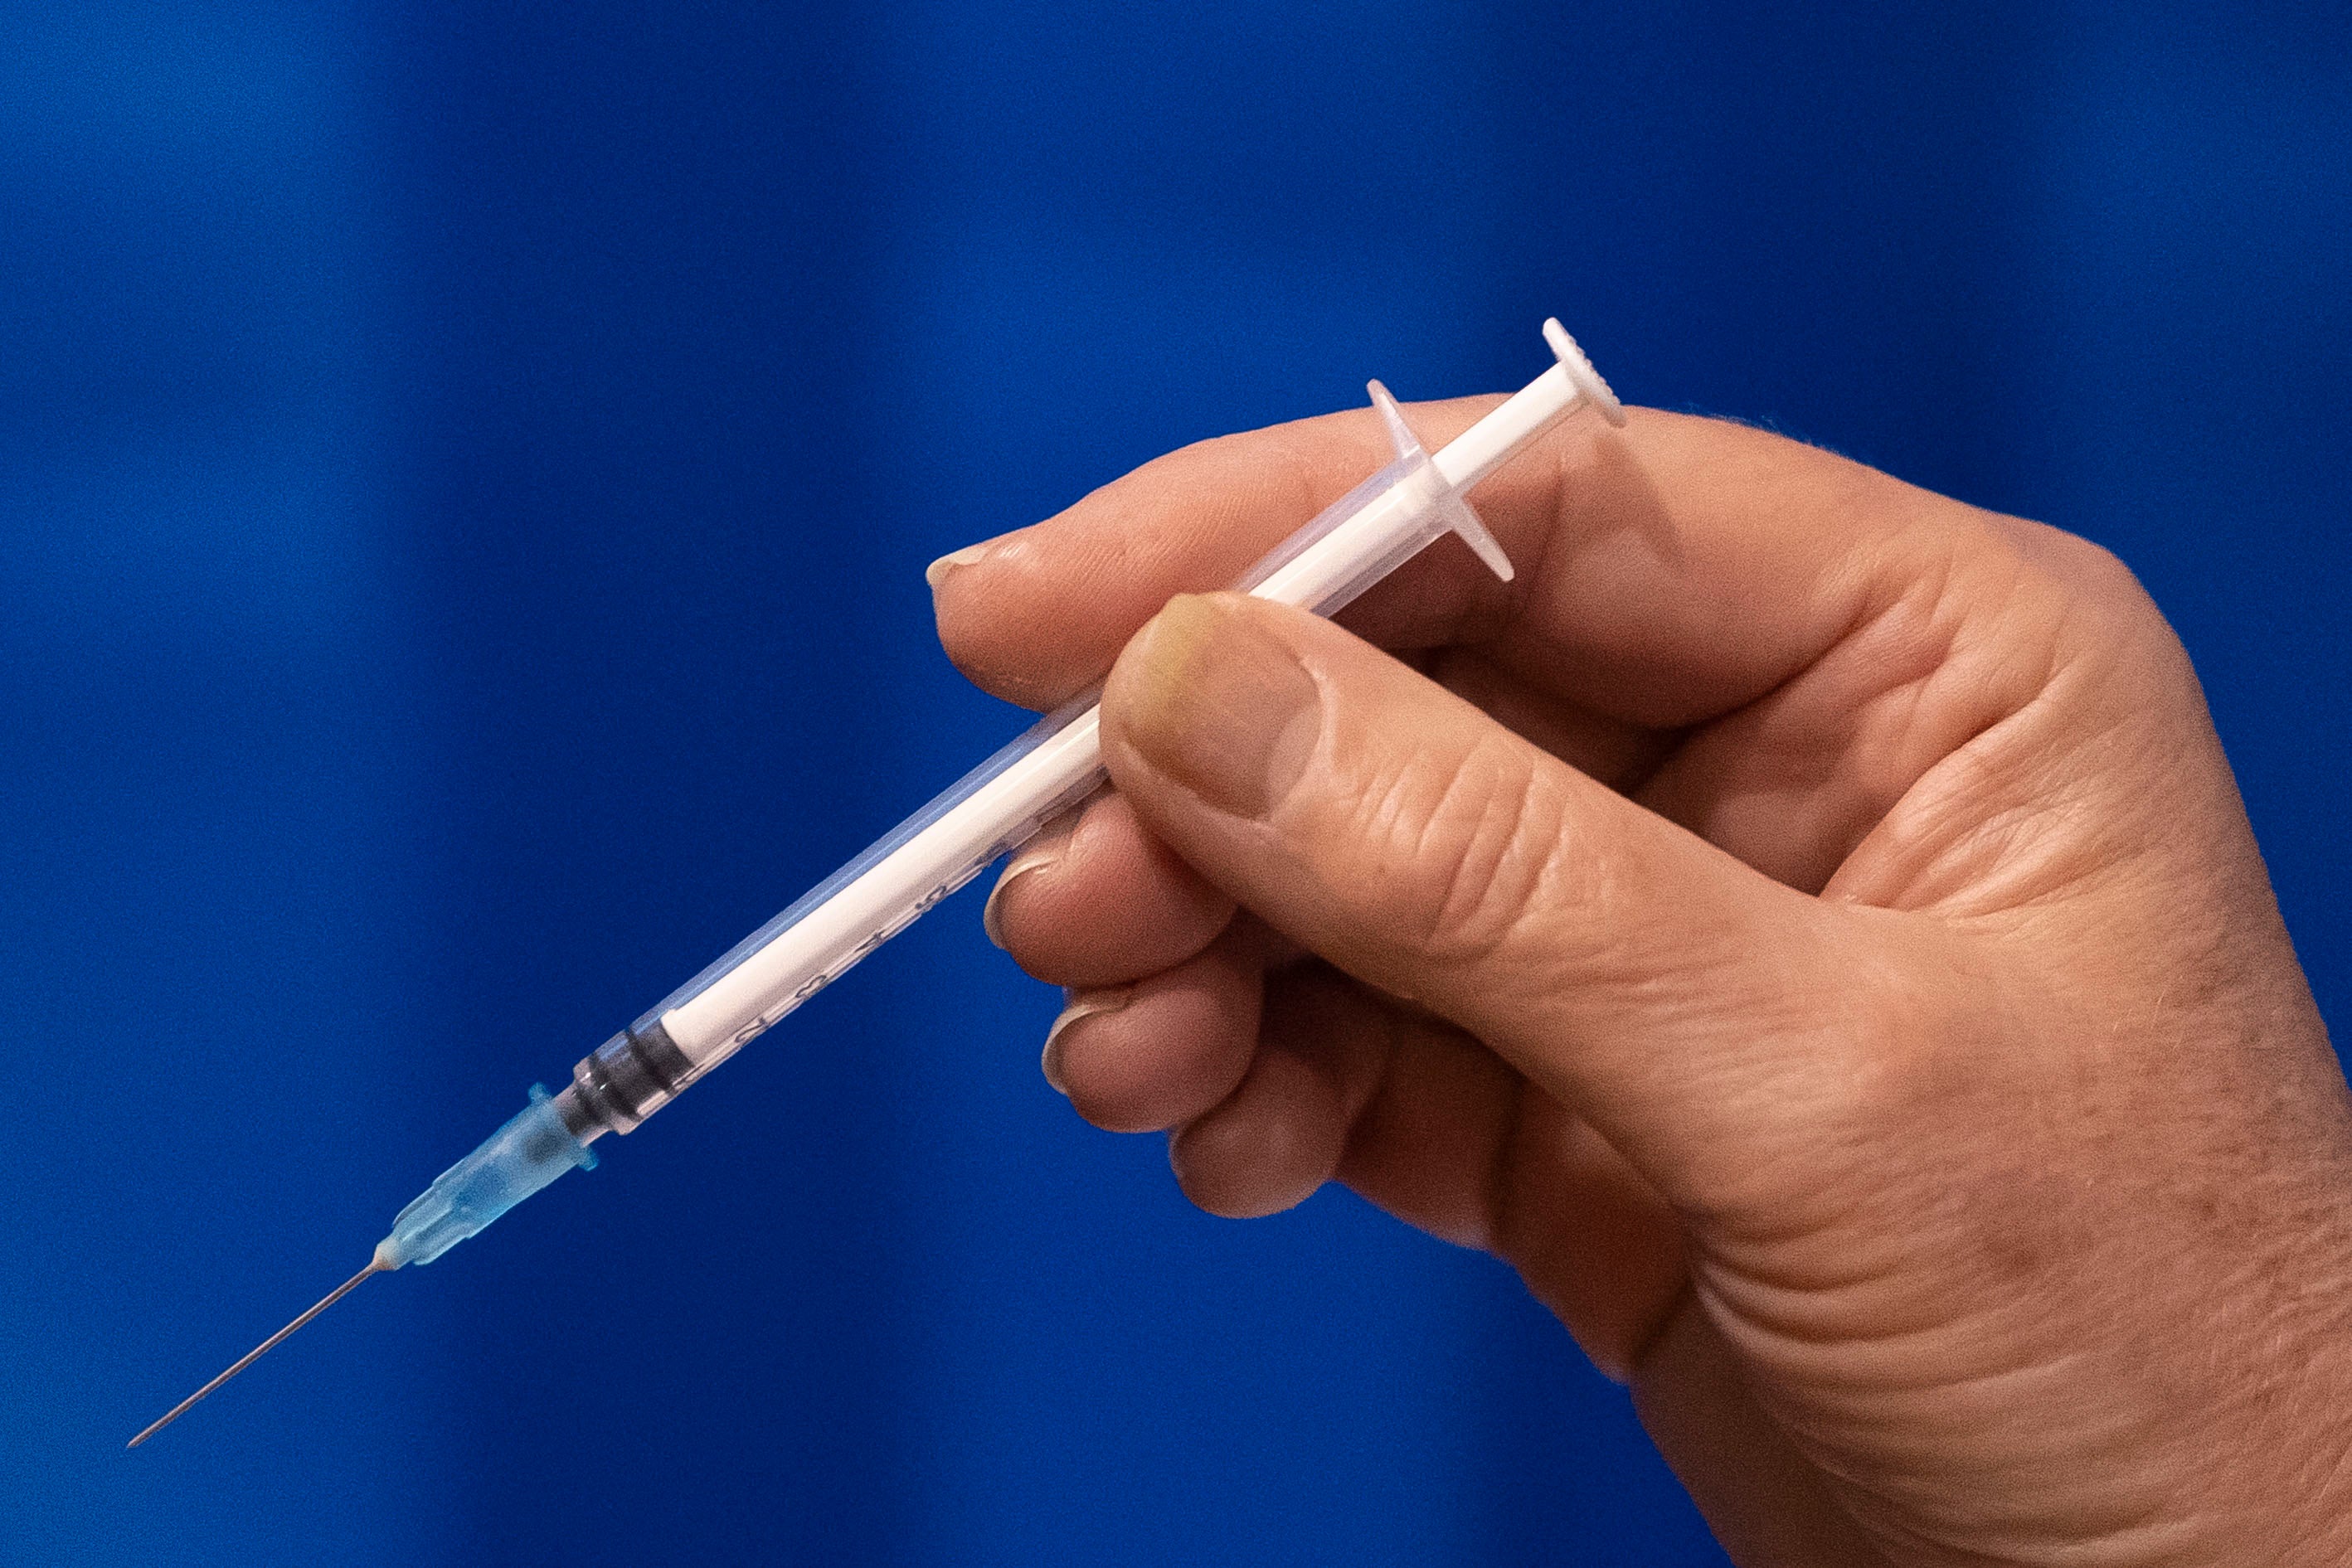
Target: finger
(1096, 901)
(1668, 572)
(1595, 1242)
(1421, 1120)
(1102, 903)
(1970, 628)
(1457, 1142)
(1143, 1058)
(1656, 986)
(1037, 615)
(1766, 1500)
(1413, 1115)
(1269, 1145)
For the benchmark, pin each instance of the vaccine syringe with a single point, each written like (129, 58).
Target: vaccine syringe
(991, 810)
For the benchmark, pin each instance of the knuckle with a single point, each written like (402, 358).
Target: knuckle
(2101, 585)
(2096, 572)
(2109, 621)
(2092, 577)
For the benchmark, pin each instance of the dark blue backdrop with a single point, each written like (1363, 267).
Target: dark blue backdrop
(465, 473)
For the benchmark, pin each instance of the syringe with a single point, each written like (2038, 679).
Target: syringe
(1353, 543)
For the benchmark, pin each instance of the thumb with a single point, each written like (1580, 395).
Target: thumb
(1682, 1002)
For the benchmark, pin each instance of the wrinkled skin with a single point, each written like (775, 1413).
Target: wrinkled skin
(1806, 925)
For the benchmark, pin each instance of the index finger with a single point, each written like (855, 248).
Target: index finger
(1667, 572)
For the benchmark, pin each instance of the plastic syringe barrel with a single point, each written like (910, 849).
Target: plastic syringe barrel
(997, 807)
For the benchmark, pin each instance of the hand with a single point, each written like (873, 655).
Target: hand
(1806, 925)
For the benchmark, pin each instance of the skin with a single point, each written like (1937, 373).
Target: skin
(1804, 924)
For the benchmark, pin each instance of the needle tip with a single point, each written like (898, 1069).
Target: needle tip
(375, 1265)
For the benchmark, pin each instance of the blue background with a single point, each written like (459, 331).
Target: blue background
(465, 473)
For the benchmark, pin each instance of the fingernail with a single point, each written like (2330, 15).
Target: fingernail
(937, 572)
(1076, 1005)
(1027, 861)
(1218, 704)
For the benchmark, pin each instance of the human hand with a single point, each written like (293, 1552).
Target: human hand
(1806, 925)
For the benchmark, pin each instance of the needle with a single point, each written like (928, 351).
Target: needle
(256, 1353)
